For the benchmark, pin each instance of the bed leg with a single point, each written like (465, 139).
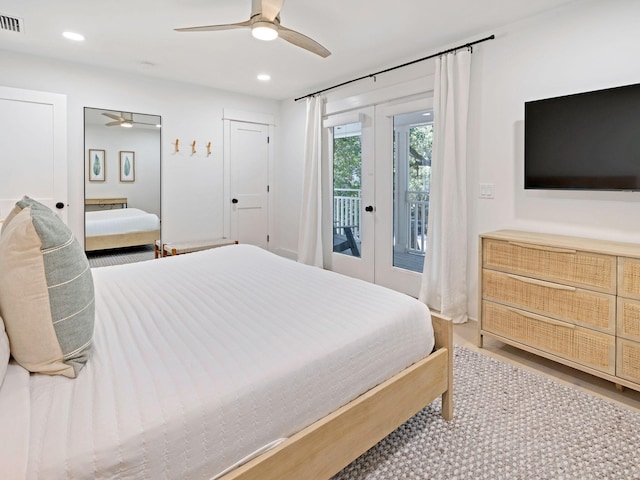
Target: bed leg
(443, 330)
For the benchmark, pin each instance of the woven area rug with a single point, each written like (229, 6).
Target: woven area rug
(120, 256)
(509, 424)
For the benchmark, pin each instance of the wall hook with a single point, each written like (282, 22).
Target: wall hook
(208, 149)
(193, 148)
(175, 146)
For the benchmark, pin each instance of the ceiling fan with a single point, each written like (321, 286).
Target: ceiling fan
(265, 25)
(123, 120)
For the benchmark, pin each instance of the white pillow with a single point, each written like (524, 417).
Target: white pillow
(4, 351)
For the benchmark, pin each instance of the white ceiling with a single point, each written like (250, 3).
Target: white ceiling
(363, 35)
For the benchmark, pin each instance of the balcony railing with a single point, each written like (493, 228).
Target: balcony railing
(418, 210)
(347, 212)
(347, 209)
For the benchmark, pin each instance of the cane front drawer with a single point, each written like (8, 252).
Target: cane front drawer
(628, 319)
(580, 345)
(563, 265)
(575, 305)
(628, 360)
(629, 277)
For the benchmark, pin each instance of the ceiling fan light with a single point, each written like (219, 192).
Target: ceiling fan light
(126, 125)
(264, 31)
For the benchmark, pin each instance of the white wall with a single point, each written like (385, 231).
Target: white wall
(585, 46)
(588, 45)
(144, 191)
(192, 205)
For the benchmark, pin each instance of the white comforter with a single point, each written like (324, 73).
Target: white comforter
(201, 359)
(119, 220)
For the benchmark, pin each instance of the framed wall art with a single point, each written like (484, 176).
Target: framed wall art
(96, 165)
(127, 166)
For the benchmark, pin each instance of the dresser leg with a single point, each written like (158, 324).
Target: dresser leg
(619, 387)
(480, 340)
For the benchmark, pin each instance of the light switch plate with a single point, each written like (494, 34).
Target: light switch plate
(487, 190)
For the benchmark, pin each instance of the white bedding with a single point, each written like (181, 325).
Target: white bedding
(201, 359)
(119, 220)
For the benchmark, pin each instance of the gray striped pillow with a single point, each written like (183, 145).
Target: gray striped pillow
(46, 292)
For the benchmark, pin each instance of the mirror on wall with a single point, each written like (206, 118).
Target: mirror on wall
(121, 186)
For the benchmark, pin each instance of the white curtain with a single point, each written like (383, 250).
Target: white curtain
(310, 234)
(444, 278)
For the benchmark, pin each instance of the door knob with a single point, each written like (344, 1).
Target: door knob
(368, 208)
(59, 205)
(234, 200)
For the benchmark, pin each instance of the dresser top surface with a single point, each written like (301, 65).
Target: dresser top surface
(606, 247)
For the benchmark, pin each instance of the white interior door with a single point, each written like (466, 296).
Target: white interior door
(249, 182)
(349, 207)
(33, 136)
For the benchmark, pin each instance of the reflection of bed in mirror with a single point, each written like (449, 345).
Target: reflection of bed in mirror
(111, 200)
(119, 227)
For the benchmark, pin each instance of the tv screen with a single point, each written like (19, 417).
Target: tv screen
(584, 141)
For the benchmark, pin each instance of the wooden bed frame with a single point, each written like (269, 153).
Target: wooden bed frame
(333, 442)
(103, 242)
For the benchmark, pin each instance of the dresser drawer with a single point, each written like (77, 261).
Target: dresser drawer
(578, 268)
(629, 277)
(628, 360)
(575, 305)
(628, 319)
(584, 346)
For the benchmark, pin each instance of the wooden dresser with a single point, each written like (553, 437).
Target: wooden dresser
(573, 300)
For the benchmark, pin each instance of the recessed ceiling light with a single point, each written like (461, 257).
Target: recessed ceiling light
(264, 77)
(76, 37)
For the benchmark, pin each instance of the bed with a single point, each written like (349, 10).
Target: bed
(120, 227)
(231, 363)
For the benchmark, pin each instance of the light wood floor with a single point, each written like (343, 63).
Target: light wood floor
(465, 335)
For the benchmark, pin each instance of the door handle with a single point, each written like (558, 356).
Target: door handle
(234, 200)
(368, 208)
(59, 205)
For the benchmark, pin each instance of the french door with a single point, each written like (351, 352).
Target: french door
(378, 162)
(404, 140)
(349, 208)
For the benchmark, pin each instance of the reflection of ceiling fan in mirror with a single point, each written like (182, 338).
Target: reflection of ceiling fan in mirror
(123, 120)
(265, 25)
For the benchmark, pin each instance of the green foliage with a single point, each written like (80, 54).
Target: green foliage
(347, 153)
(421, 141)
(127, 166)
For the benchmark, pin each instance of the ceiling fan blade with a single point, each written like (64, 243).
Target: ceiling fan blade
(113, 124)
(115, 117)
(270, 8)
(211, 28)
(302, 41)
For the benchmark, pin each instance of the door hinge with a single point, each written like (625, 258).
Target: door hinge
(267, 188)
(267, 238)
(268, 139)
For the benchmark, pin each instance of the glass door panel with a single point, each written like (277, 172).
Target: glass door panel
(412, 148)
(404, 133)
(347, 189)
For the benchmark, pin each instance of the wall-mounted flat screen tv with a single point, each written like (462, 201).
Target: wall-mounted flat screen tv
(586, 141)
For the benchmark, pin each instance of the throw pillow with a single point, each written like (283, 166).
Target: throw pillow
(46, 292)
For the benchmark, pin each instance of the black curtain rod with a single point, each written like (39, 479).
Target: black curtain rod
(466, 45)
